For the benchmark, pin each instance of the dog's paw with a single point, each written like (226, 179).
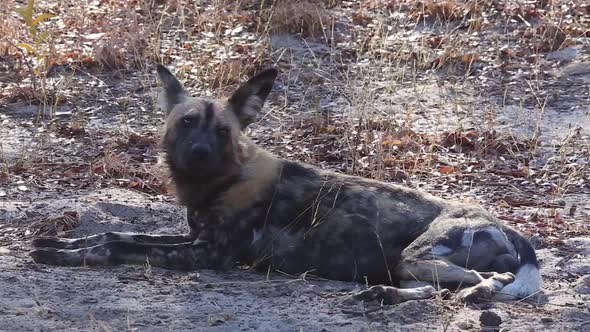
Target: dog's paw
(486, 288)
(444, 294)
(379, 293)
(475, 294)
(393, 295)
(505, 278)
(384, 294)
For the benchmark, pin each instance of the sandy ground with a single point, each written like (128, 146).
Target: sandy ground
(44, 298)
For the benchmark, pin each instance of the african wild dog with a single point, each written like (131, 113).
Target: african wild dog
(246, 206)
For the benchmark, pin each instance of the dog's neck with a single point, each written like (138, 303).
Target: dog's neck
(254, 176)
(258, 175)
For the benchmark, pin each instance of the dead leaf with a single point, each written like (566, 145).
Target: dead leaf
(446, 169)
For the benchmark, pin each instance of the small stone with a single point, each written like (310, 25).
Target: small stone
(546, 320)
(218, 319)
(465, 324)
(162, 315)
(490, 318)
(89, 300)
(237, 31)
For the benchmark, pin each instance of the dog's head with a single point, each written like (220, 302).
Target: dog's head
(202, 136)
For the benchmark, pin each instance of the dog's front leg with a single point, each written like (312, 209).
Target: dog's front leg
(98, 239)
(185, 256)
(194, 222)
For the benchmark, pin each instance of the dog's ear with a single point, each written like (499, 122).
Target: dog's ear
(248, 99)
(172, 91)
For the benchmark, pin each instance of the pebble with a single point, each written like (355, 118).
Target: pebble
(490, 318)
(465, 324)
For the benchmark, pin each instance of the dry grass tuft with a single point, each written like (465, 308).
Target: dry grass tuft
(399, 83)
(124, 161)
(550, 37)
(54, 225)
(450, 10)
(444, 11)
(305, 17)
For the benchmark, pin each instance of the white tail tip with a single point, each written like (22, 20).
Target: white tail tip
(527, 282)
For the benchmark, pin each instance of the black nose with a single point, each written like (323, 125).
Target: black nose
(200, 151)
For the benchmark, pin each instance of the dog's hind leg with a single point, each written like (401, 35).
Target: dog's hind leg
(471, 251)
(416, 283)
(439, 271)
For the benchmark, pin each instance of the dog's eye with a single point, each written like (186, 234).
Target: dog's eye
(190, 121)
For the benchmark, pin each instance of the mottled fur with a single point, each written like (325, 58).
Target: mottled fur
(246, 206)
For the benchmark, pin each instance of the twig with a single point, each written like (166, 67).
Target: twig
(27, 62)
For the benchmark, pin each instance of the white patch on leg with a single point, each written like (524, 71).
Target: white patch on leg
(126, 237)
(413, 283)
(417, 293)
(256, 235)
(527, 282)
(494, 285)
(198, 241)
(467, 239)
(440, 250)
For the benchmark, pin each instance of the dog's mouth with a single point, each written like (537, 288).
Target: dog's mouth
(199, 168)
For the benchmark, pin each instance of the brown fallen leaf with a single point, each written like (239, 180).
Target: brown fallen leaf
(446, 169)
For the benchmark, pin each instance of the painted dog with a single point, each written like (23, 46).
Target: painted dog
(244, 205)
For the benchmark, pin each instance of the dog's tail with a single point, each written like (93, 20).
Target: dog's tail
(528, 276)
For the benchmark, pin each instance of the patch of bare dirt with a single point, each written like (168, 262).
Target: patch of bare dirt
(44, 298)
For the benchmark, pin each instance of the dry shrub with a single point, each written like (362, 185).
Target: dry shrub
(444, 11)
(550, 37)
(451, 10)
(54, 225)
(547, 37)
(117, 51)
(10, 27)
(125, 41)
(131, 163)
(305, 17)
(230, 73)
(225, 42)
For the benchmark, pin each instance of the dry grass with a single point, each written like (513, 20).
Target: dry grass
(308, 18)
(54, 225)
(353, 94)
